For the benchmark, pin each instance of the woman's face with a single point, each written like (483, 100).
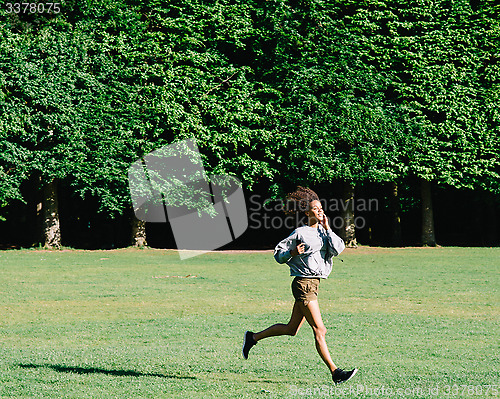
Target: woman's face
(315, 211)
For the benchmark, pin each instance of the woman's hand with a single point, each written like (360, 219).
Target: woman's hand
(299, 249)
(324, 222)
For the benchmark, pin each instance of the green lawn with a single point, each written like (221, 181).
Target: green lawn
(417, 322)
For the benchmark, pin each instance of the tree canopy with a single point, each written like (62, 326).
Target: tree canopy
(275, 92)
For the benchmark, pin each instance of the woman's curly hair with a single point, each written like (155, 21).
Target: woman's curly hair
(298, 201)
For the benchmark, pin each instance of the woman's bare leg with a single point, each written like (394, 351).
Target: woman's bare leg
(291, 328)
(312, 314)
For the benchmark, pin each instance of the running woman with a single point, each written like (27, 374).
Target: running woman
(308, 251)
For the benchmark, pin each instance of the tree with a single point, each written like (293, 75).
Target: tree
(274, 92)
(56, 80)
(101, 85)
(335, 123)
(443, 92)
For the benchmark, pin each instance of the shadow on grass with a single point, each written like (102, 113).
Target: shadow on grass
(266, 381)
(95, 370)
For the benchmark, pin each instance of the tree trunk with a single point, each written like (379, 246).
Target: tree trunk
(38, 195)
(50, 209)
(138, 236)
(348, 232)
(395, 207)
(428, 235)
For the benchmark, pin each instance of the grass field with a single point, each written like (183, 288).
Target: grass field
(417, 322)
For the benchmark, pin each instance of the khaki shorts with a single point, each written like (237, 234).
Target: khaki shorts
(305, 289)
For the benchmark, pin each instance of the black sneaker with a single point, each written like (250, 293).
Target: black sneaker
(340, 375)
(248, 342)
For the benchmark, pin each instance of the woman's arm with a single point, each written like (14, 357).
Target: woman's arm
(335, 243)
(288, 248)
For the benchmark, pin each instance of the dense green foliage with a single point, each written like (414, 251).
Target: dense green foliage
(275, 92)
